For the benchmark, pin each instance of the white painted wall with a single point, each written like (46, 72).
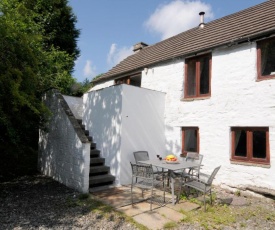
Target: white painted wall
(102, 117)
(62, 155)
(237, 99)
(142, 126)
(76, 105)
(102, 85)
(123, 119)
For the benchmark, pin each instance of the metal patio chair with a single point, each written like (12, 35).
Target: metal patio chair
(143, 177)
(144, 156)
(202, 186)
(193, 172)
(196, 158)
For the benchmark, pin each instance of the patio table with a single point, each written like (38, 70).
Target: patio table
(171, 168)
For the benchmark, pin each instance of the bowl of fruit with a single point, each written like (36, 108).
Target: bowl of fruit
(171, 159)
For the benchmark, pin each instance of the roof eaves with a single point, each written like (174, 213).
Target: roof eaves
(245, 38)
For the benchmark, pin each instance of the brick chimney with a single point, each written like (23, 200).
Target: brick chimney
(139, 46)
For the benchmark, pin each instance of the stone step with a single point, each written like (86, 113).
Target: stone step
(86, 132)
(94, 153)
(101, 188)
(79, 121)
(93, 146)
(101, 179)
(97, 161)
(90, 138)
(99, 170)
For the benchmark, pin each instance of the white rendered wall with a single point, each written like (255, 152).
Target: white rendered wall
(102, 117)
(102, 85)
(123, 119)
(142, 126)
(76, 105)
(237, 99)
(62, 155)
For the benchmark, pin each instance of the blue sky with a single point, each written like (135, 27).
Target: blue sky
(110, 28)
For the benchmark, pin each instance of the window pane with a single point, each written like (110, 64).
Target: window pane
(191, 78)
(204, 75)
(259, 144)
(240, 143)
(190, 140)
(136, 81)
(268, 58)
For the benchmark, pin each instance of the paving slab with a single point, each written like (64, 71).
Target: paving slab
(137, 208)
(170, 214)
(121, 199)
(109, 192)
(152, 220)
(183, 206)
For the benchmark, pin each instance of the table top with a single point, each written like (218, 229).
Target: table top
(177, 166)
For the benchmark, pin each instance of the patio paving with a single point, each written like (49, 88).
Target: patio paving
(120, 199)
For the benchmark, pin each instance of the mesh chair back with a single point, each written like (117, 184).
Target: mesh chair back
(196, 158)
(142, 171)
(212, 176)
(141, 156)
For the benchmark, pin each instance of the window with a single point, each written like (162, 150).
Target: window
(132, 80)
(250, 145)
(197, 76)
(190, 139)
(266, 57)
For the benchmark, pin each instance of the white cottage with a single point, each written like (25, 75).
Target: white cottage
(210, 90)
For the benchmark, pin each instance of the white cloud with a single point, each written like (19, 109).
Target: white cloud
(116, 54)
(177, 16)
(89, 70)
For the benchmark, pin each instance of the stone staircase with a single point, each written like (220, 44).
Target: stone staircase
(100, 176)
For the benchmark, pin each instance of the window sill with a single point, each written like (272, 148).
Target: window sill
(195, 98)
(263, 165)
(269, 77)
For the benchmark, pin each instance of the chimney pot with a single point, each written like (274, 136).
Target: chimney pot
(201, 25)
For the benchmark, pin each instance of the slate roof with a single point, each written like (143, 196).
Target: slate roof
(243, 26)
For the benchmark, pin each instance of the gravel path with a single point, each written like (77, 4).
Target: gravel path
(39, 202)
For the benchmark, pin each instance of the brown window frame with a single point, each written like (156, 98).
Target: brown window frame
(183, 129)
(259, 60)
(124, 80)
(127, 80)
(197, 88)
(249, 145)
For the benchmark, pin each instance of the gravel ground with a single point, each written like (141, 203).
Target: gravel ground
(38, 202)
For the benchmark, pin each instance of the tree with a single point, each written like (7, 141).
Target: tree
(58, 25)
(28, 67)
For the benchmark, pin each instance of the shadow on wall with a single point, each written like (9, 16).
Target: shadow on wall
(102, 117)
(62, 155)
(173, 145)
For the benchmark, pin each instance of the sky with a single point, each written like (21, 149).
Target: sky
(110, 28)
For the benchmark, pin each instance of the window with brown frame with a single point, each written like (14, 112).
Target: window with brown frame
(198, 76)
(190, 139)
(131, 80)
(265, 59)
(250, 144)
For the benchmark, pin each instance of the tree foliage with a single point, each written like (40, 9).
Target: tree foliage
(33, 58)
(58, 26)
